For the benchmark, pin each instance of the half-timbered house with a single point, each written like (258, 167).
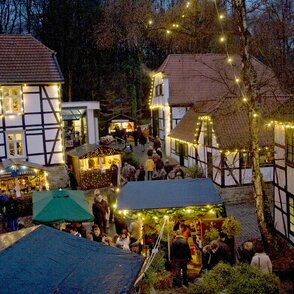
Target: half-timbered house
(283, 122)
(201, 117)
(30, 98)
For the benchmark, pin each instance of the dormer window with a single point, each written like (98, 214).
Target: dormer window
(11, 100)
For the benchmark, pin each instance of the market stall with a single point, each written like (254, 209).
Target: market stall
(91, 164)
(196, 201)
(121, 122)
(22, 177)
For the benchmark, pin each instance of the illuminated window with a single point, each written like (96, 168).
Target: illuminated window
(290, 145)
(15, 144)
(11, 99)
(266, 157)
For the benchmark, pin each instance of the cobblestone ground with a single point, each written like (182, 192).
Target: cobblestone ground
(245, 213)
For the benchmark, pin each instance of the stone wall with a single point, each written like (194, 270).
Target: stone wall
(57, 177)
(241, 194)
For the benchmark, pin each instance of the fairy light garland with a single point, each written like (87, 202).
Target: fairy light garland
(159, 214)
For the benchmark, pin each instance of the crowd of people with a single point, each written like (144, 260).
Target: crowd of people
(220, 250)
(154, 167)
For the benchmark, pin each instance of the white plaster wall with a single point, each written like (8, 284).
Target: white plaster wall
(52, 91)
(267, 173)
(280, 156)
(279, 225)
(58, 146)
(31, 102)
(2, 138)
(290, 179)
(50, 118)
(13, 120)
(279, 135)
(57, 158)
(33, 119)
(178, 112)
(37, 159)
(55, 104)
(51, 134)
(281, 203)
(35, 144)
(280, 177)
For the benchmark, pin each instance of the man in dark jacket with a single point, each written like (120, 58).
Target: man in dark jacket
(100, 209)
(181, 255)
(11, 212)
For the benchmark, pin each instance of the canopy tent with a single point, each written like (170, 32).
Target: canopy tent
(58, 206)
(168, 194)
(47, 260)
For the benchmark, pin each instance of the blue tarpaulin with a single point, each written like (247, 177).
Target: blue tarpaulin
(51, 261)
(168, 194)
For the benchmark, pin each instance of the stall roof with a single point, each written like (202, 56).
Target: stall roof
(92, 150)
(122, 117)
(47, 260)
(168, 194)
(72, 113)
(13, 161)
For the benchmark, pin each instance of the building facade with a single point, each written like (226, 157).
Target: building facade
(201, 119)
(30, 82)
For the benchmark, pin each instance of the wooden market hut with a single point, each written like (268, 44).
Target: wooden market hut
(91, 163)
(121, 122)
(22, 177)
(195, 200)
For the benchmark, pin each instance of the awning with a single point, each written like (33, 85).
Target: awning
(58, 206)
(72, 113)
(47, 260)
(168, 194)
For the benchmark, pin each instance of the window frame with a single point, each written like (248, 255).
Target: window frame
(159, 90)
(243, 155)
(291, 213)
(207, 133)
(289, 147)
(14, 141)
(8, 108)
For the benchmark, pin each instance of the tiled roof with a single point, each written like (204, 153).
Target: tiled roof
(23, 59)
(185, 129)
(198, 77)
(230, 123)
(283, 113)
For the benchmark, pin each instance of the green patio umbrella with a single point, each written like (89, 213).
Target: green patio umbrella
(58, 206)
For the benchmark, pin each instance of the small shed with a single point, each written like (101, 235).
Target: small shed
(121, 122)
(91, 164)
(46, 260)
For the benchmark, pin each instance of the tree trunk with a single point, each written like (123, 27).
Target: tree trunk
(250, 91)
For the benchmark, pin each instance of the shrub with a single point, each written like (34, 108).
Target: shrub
(231, 226)
(210, 235)
(241, 279)
(131, 159)
(194, 172)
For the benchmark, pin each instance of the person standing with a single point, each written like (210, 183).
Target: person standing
(142, 141)
(156, 143)
(262, 260)
(150, 167)
(11, 212)
(136, 136)
(113, 174)
(181, 255)
(100, 209)
(140, 173)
